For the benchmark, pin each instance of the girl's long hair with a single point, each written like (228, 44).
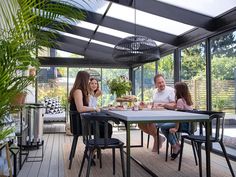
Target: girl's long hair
(182, 91)
(81, 82)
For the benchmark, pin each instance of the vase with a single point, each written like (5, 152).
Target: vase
(19, 99)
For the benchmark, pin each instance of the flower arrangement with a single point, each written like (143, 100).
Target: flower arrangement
(119, 86)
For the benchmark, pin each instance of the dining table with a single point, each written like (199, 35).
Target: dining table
(130, 117)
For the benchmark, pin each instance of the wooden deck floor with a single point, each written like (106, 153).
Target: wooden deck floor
(57, 147)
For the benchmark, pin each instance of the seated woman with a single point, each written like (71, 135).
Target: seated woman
(79, 97)
(183, 102)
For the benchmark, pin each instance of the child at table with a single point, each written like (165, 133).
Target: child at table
(183, 102)
(94, 92)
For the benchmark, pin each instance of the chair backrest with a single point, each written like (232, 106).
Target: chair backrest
(191, 130)
(75, 123)
(217, 123)
(95, 129)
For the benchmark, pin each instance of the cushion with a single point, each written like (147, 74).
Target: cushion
(55, 117)
(53, 105)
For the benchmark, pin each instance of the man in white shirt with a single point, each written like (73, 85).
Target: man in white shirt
(162, 96)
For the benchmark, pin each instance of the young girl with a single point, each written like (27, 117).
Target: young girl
(183, 102)
(94, 92)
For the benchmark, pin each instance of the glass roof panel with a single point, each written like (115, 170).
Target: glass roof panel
(148, 20)
(86, 39)
(86, 25)
(74, 36)
(102, 43)
(211, 8)
(92, 6)
(113, 32)
(117, 33)
(61, 53)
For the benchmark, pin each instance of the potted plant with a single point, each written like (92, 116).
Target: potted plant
(21, 36)
(119, 86)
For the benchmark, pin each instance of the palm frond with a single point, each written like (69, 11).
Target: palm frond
(22, 32)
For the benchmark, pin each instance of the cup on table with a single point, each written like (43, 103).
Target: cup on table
(125, 106)
(149, 105)
(136, 108)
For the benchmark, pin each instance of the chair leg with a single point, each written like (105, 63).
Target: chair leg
(100, 157)
(89, 162)
(181, 153)
(114, 160)
(194, 152)
(148, 138)
(158, 146)
(122, 160)
(199, 149)
(82, 163)
(227, 158)
(72, 151)
(167, 147)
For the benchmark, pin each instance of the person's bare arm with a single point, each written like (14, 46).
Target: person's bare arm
(98, 93)
(175, 129)
(171, 105)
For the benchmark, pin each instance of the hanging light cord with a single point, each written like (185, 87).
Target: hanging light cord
(135, 18)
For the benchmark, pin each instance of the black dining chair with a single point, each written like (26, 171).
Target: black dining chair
(181, 132)
(76, 130)
(217, 123)
(192, 130)
(93, 140)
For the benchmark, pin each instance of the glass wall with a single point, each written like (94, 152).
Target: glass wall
(138, 83)
(107, 74)
(52, 83)
(223, 76)
(166, 67)
(193, 72)
(223, 72)
(149, 71)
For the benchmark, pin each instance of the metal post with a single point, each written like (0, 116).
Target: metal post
(208, 75)
(177, 65)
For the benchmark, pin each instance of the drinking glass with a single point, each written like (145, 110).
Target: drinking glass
(149, 105)
(125, 106)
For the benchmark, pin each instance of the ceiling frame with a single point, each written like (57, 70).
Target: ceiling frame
(205, 27)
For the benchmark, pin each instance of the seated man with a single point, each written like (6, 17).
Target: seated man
(163, 95)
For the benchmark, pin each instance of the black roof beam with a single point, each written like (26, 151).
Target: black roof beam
(76, 62)
(81, 43)
(225, 22)
(174, 13)
(80, 51)
(87, 33)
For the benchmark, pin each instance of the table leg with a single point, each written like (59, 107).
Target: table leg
(208, 145)
(128, 150)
